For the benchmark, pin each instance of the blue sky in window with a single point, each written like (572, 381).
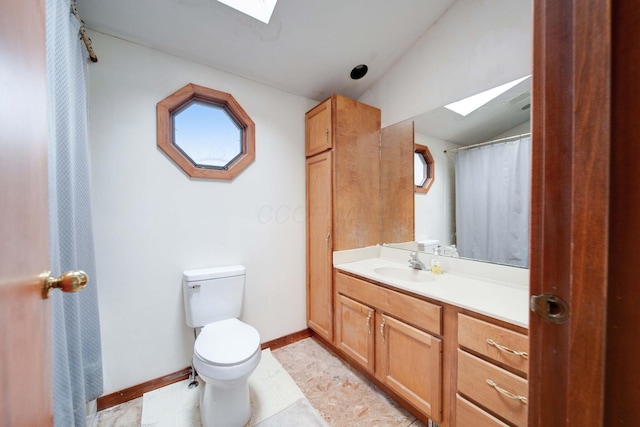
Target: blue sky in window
(207, 134)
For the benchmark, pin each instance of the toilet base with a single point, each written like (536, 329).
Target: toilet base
(225, 406)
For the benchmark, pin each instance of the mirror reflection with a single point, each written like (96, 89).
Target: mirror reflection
(207, 135)
(423, 168)
(478, 206)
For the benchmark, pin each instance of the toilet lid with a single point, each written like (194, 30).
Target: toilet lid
(227, 342)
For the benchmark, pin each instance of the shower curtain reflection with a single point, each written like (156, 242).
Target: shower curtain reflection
(492, 202)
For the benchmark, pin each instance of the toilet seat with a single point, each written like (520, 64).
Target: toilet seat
(226, 343)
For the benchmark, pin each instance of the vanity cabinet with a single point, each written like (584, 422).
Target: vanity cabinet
(392, 336)
(342, 195)
(492, 369)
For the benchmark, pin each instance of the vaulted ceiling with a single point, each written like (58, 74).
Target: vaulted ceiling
(308, 48)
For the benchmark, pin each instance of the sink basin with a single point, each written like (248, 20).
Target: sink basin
(404, 273)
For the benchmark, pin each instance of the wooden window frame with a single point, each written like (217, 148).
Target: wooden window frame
(430, 171)
(174, 102)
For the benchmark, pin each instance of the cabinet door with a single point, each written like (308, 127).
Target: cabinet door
(409, 361)
(319, 245)
(319, 137)
(354, 331)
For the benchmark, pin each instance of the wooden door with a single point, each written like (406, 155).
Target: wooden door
(355, 331)
(622, 383)
(319, 136)
(25, 339)
(409, 362)
(319, 244)
(585, 210)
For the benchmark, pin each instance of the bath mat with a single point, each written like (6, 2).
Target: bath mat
(271, 388)
(299, 413)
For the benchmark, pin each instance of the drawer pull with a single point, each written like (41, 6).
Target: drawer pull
(523, 354)
(382, 329)
(369, 323)
(507, 393)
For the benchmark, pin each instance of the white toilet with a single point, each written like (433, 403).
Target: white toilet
(227, 350)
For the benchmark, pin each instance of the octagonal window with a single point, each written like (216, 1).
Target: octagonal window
(423, 168)
(206, 132)
(207, 135)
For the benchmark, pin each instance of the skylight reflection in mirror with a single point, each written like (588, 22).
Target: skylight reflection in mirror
(470, 104)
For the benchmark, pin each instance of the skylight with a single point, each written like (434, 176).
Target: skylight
(472, 103)
(258, 9)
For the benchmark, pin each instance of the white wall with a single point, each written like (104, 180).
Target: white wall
(152, 221)
(474, 46)
(434, 214)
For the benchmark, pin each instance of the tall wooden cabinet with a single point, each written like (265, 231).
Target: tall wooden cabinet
(319, 255)
(343, 194)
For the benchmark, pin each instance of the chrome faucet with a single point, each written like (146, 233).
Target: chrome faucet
(414, 262)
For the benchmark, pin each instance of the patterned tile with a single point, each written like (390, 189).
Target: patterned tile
(127, 414)
(341, 395)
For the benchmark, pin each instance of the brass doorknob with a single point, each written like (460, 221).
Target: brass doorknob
(71, 281)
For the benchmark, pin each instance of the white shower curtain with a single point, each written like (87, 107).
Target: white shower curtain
(76, 349)
(492, 202)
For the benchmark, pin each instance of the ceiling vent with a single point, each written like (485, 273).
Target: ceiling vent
(524, 96)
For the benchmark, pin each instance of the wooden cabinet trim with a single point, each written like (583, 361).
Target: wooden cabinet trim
(318, 129)
(402, 352)
(473, 335)
(355, 331)
(319, 250)
(468, 414)
(473, 374)
(417, 312)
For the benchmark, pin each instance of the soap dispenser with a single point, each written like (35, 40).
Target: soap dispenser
(435, 263)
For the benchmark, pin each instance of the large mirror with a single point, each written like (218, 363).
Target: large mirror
(475, 151)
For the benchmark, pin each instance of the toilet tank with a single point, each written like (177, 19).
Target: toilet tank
(212, 294)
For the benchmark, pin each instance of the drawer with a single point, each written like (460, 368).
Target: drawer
(420, 313)
(468, 414)
(495, 342)
(474, 376)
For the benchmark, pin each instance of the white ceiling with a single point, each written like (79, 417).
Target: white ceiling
(308, 48)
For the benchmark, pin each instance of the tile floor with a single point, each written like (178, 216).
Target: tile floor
(341, 395)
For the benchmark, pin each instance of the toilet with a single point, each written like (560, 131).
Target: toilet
(226, 350)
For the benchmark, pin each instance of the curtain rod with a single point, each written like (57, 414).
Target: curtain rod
(83, 33)
(493, 141)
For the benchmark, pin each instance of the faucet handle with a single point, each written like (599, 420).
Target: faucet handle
(414, 255)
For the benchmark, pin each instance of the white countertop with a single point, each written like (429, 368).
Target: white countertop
(501, 292)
